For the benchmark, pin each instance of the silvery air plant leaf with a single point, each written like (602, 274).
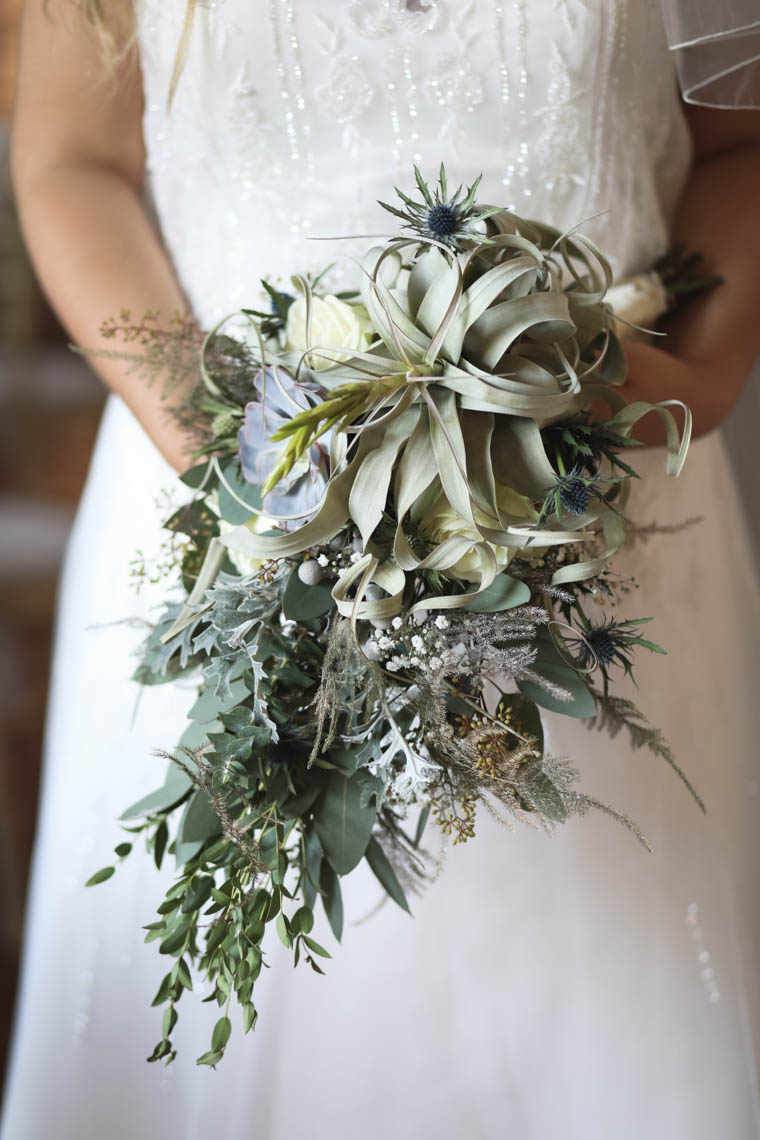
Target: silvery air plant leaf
(417, 523)
(279, 398)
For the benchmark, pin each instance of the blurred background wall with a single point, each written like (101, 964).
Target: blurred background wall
(49, 409)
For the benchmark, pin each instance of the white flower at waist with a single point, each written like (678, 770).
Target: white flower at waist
(440, 521)
(334, 323)
(247, 564)
(641, 300)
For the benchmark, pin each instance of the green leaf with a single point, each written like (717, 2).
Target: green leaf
(161, 1050)
(183, 974)
(344, 820)
(195, 476)
(422, 821)
(164, 990)
(211, 1059)
(160, 840)
(215, 937)
(170, 1020)
(385, 874)
(176, 939)
(542, 795)
(313, 862)
(208, 706)
(231, 510)
(302, 921)
(549, 664)
(122, 850)
(332, 898)
(199, 821)
(100, 876)
(282, 930)
(175, 788)
(525, 718)
(250, 1017)
(301, 602)
(504, 593)
(197, 894)
(316, 948)
(221, 1034)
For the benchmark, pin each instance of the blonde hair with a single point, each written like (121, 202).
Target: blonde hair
(113, 22)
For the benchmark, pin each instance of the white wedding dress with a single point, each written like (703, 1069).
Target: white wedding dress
(564, 988)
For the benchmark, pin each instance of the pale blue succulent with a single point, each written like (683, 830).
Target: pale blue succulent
(279, 399)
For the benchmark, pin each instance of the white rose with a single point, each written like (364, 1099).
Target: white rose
(641, 300)
(440, 521)
(333, 322)
(247, 564)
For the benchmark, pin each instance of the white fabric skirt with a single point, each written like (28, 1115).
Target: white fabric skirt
(546, 989)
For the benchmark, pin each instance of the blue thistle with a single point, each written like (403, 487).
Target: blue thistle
(280, 303)
(451, 220)
(571, 495)
(614, 641)
(599, 644)
(443, 220)
(574, 495)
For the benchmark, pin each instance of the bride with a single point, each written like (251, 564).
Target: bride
(547, 989)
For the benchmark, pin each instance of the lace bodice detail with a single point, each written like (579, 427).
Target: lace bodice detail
(293, 116)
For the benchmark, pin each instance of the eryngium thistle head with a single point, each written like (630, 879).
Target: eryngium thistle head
(615, 642)
(449, 220)
(599, 644)
(443, 220)
(574, 496)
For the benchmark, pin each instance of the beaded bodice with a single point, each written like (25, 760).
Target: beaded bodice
(293, 116)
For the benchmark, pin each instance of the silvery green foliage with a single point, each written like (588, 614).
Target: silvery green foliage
(394, 652)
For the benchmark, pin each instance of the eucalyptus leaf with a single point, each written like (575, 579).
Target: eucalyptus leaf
(550, 665)
(301, 602)
(542, 795)
(504, 593)
(199, 822)
(343, 821)
(176, 786)
(208, 706)
(196, 475)
(101, 876)
(332, 898)
(231, 489)
(385, 874)
(221, 1034)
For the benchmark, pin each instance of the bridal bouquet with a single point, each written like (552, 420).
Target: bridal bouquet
(392, 561)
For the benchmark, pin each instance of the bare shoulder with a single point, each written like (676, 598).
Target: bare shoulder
(68, 107)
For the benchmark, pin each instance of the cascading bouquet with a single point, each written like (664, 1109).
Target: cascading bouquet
(400, 510)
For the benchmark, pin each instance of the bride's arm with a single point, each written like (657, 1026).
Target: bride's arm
(715, 340)
(78, 163)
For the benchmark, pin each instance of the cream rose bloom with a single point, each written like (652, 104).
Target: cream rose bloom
(333, 322)
(641, 299)
(247, 564)
(440, 521)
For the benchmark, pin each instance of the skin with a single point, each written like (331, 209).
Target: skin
(78, 164)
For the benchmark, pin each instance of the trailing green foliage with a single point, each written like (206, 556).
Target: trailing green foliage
(381, 535)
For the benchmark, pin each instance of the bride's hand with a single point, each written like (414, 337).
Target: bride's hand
(654, 375)
(714, 340)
